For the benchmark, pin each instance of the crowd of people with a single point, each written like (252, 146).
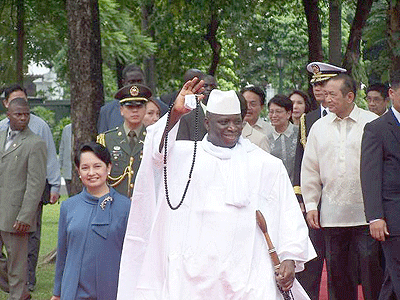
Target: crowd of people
(322, 171)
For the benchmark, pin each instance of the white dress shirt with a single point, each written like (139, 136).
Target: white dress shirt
(396, 114)
(330, 169)
(11, 134)
(322, 110)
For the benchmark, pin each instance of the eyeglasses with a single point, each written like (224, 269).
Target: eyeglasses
(277, 112)
(253, 104)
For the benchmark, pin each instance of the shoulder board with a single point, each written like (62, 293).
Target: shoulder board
(111, 130)
(101, 139)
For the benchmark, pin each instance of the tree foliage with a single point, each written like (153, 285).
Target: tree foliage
(376, 49)
(46, 40)
(249, 35)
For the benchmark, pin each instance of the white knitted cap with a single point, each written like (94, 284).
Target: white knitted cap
(223, 103)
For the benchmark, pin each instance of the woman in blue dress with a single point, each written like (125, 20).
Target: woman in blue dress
(91, 231)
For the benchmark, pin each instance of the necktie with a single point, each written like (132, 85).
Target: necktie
(132, 139)
(10, 138)
(324, 113)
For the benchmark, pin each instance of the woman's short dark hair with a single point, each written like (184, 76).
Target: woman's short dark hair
(99, 150)
(256, 90)
(311, 104)
(282, 101)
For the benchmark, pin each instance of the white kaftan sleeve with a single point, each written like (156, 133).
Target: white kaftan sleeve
(143, 208)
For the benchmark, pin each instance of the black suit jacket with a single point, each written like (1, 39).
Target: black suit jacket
(310, 119)
(380, 171)
(187, 125)
(169, 98)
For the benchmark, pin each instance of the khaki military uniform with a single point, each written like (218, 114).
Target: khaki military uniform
(125, 161)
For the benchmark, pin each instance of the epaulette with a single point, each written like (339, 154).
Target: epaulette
(101, 139)
(111, 130)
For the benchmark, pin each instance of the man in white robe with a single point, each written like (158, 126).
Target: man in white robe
(210, 247)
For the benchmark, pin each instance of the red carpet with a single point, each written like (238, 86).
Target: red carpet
(323, 292)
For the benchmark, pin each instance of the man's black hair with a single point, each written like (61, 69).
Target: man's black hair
(192, 73)
(131, 68)
(18, 101)
(348, 85)
(380, 88)
(13, 88)
(256, 90)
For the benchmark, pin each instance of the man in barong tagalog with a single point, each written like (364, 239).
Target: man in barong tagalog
(209, 246)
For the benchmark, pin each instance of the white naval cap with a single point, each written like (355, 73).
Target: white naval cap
(322, 71)
(223, 103)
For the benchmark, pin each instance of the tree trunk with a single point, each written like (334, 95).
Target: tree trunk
(149, 62)
(394, 33)
(119, 67)
(85, 72)
(211, 38)
(311, 10)
(20, 41)
(315, 52)
(352, 55)
(335, 32)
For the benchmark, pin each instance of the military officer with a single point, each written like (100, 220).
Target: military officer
(125, 142)
(310, 278)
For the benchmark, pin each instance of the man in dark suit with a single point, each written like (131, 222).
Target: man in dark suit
(110, 116)
(310, 278)
(22, 180)
(168, 99)
(125, 142)
(380, 179)
(187, 124)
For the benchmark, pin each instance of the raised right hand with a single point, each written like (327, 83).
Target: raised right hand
(194, 86)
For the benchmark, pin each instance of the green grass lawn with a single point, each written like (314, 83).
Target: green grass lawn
(45, 272)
